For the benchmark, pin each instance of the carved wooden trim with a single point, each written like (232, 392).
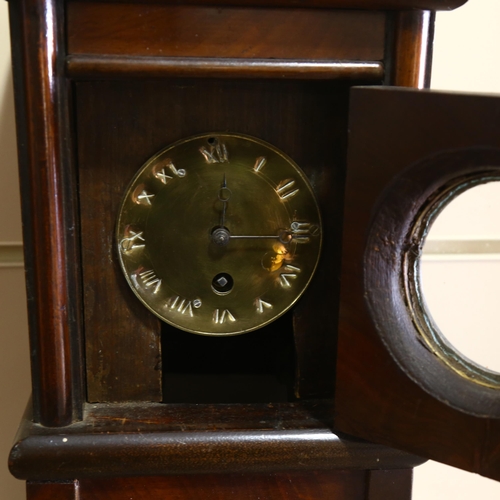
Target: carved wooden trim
(96, 67)
(43, 137)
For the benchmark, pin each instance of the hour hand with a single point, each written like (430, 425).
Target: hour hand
(224, 195)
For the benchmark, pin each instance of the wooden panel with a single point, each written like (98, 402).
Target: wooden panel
(52, 491)
(406, 397)
(46, 182)
(130, 121)
(183, 31)
(122, 338)
(341, 485)
(157, 439)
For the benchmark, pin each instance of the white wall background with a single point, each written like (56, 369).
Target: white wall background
(466, 58)
(14, 353)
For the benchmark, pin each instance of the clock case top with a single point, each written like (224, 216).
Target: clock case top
(76, 56)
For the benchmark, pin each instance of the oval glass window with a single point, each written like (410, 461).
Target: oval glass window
(460, 281)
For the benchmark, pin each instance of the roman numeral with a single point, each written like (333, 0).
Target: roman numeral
(301, 231)
(291, 274)
(182, 305)
(261, 305)
(135, 240)
(300, 227)
(259, 163)
(144, 197)
(221, 317)
(286, 189)
(216, 153)
(150, 280)
(169, 168)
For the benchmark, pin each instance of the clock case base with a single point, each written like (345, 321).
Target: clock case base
(137, 439)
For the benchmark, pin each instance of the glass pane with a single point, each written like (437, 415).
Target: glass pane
(460, 274)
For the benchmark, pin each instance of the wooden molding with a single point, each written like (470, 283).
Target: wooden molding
(324, 4)
(45, 175)
(156, 439)
(95, 67)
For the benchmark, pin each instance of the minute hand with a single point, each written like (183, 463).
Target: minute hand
(283, 236)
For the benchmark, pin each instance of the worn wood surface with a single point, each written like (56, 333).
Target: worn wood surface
(45, 161)
(159, 30)
(390, 388)
(156, 439)
(412, 49)
(136, 119)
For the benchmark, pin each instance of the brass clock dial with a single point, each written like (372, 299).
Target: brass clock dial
(219, 234)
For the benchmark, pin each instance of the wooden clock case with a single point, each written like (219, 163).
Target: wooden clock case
(121, 405)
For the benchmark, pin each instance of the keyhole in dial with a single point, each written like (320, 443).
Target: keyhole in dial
(222, 283)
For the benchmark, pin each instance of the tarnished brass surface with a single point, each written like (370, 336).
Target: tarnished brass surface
(219, 234)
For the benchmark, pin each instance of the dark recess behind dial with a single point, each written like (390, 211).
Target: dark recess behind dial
(257, 367)
(135, 119)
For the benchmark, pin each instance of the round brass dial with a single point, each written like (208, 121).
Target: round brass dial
(219, 234)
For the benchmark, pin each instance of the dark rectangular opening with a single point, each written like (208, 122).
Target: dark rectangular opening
(256, 367)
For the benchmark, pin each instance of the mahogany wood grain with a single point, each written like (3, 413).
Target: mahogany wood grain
(52, 491)
(412, 52)
(323, 4)
(85, 67)
(162, 30)
(48, 210)
(378, 394)
(341, 485)
(123, 349)
(156, 439)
